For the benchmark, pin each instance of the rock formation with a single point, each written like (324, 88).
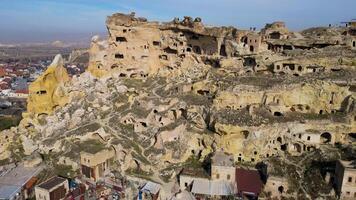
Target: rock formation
(163, 95)
(47, 92)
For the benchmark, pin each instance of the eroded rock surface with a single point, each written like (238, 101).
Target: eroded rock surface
(164, 94)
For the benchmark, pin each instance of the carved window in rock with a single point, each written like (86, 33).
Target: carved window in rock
(114, 66)
(223, 50)
(99, 66)
(197, 49)
(121, 39)
(41, 92)
(119, 56)
(163, 57)
(325, 138)
(170, 50)
(156, 43)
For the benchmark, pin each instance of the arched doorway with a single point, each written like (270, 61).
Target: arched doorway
(297, 148)
(197, 49)
(279, 139)
(281, 189)
(325, 138)
(223, 50)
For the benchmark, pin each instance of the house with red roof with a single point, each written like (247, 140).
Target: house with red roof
(21, 93)
(248, 183)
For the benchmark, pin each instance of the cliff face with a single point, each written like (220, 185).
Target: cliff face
(164, 96)
(48, 92)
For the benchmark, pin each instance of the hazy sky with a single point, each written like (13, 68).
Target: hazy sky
(47, 20)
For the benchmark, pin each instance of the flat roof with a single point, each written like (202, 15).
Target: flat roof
(54, 181)
(212, 187)
(222, 159)
(12, 179)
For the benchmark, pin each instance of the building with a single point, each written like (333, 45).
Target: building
(212, 188)
(253, 41)
(55, 188)
(248, 183)
(94, 162)
(222, 167)
(150, 191)
(188, 175)
(345, 179)
(221, 181)
(16, 182)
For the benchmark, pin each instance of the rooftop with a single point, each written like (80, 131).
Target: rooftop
(152, 188)
(52, 183)
(213, 188)
(222, 159)
(13, 178)
(248, 181)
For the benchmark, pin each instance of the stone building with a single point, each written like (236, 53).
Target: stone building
(253, 41)
(345, 179)
(275, 31)
(55, 188)
(222, 167)
(94, 164)
(188, 175)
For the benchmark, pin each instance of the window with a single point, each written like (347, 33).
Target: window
(217, 176)
(350, 179)
(119, 56)
(228, 177)
(156, 43)
(308, 138)
(186, 184)
(121, 39)
(348, 193)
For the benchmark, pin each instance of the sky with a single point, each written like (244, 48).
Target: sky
(23, 21)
